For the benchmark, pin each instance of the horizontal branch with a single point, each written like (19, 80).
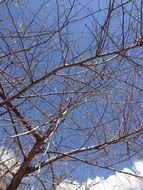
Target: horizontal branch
(70, 65)
(114, 140)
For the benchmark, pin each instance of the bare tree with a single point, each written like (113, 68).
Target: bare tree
(71, 87)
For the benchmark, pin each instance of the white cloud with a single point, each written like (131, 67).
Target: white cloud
(118, 181)
(8, 161)
(8, 164)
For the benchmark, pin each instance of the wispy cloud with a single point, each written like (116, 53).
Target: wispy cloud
(118, 181)
(8, 161)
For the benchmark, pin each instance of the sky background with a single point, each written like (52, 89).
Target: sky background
(88, 173)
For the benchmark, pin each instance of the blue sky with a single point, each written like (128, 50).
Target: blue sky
(73, 128)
